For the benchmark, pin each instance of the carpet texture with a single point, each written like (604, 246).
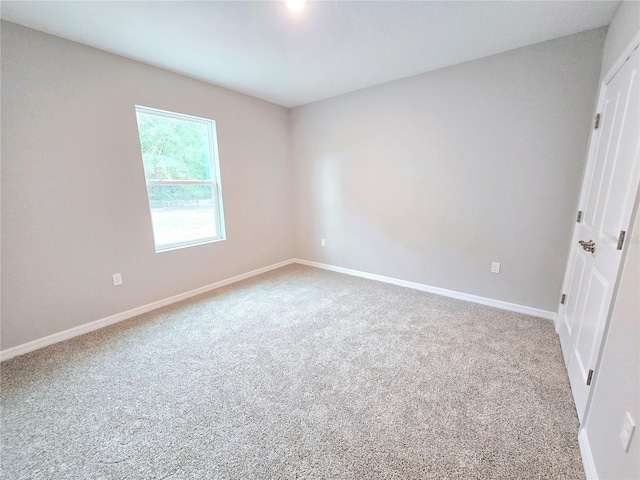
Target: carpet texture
(297, 373)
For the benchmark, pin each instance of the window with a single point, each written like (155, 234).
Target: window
(180, 159)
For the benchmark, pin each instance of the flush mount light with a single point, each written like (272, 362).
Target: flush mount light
(295, 6)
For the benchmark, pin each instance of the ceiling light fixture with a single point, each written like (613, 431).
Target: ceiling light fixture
(295, 6)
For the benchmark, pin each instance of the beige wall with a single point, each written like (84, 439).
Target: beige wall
(616, 389)
(431, 178)
(74, 207)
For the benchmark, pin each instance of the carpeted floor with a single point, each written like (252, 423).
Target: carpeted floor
(298, 373)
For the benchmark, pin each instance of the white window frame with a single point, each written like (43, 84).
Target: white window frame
(214, 181)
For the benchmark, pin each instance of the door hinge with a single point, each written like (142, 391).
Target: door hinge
(597, 122)
(563, 299)
(589, 377)
(579, 219)
(621, 239)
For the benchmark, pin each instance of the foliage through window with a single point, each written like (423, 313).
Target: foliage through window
(180, 159)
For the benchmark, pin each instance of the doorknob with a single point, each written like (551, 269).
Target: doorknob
(589, 246)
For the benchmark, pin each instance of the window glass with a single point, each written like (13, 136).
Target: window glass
(179, 155)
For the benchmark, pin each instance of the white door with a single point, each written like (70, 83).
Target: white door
(608, 195)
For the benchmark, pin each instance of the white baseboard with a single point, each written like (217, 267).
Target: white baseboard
(536, 312)
(587, 458)
(118, 317)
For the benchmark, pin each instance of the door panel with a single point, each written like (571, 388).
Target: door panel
(567, 316)
(622, 185)
(594, 308)
(597, 176)
(588, 337)
(574, 291)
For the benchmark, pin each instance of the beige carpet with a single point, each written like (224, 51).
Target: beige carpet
(298, 373)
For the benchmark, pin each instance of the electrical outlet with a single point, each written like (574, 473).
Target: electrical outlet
(495, 267)
(117, 279)
(626, 434)
(323, 243)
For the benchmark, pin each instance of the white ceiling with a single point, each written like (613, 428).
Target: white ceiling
(262, 49)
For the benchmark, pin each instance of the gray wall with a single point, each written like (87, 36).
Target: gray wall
(427, 179)
(616, 389)
(74, 207)
(433, 177)
(617, 385)
(624, 27)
